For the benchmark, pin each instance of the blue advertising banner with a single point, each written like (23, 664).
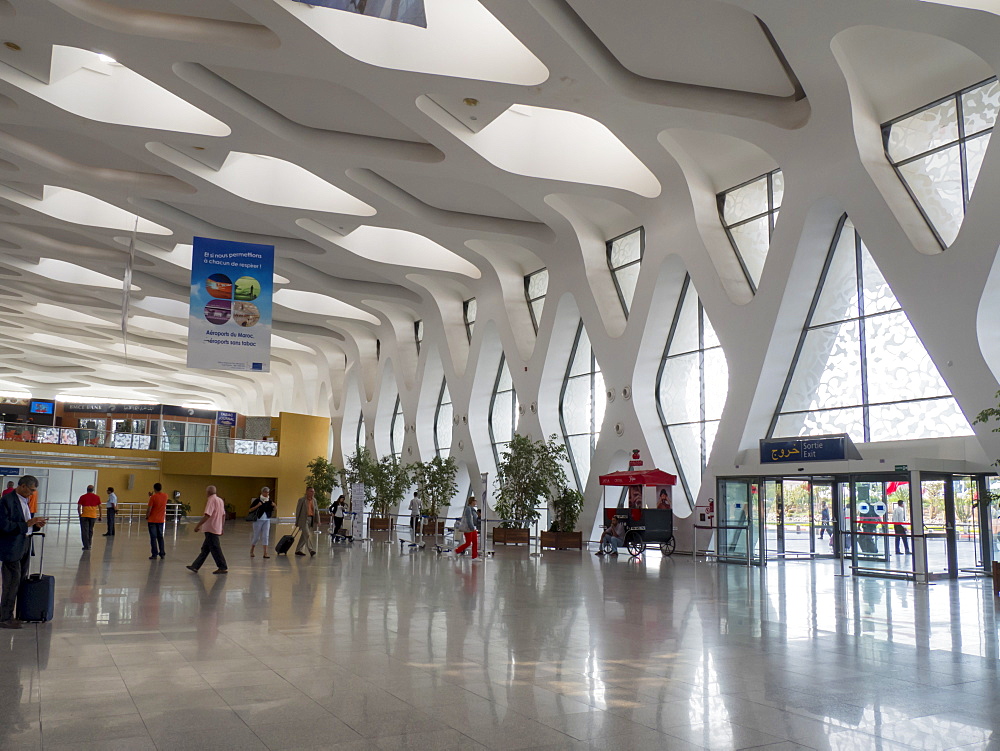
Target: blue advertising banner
(816, 449)
(226, 418)
(403, 11)
(229, 324)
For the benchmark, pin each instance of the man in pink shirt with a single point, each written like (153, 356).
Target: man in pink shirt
(212, 521)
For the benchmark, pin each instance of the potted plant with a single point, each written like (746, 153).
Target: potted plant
(391, 481)
(322, 478)
(566, 508)
(436, 487)
(528, 474)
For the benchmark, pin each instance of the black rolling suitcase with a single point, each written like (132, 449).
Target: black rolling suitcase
(36, 598)
(284, 544)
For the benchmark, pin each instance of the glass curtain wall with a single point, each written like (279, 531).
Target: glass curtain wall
(469, 310)
(418, 334)
(624, 260)
(749, 213)
(938, 150)
(860, 367)
(396, 430)
(581, 406)
(443, 421)
(691, 389)
(503, 410)
(536, 286)
(359, 438)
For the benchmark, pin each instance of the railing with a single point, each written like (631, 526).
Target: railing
(95, 437)
(127, 512)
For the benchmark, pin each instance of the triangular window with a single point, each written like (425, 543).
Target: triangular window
(860, 367)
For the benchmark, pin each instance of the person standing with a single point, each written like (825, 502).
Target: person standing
(415, 513)
(266, 509)
(88, 508)
(156, 520)
(213, 521)
(470, 521)
(16, 528)
(112, 510)
(306, 519)
(338, 516)
(899, 527)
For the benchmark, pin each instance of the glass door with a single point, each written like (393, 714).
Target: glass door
(771, 515)
(968, 552)
(823, 516)
(737, 520)
(869, 527)
(796, 519)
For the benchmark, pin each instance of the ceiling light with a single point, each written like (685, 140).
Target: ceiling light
(15, 394)
(106, 59)
(80, 399)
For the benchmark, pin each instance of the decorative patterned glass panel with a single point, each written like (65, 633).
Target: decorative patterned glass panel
(898, 365)
(936, 184)
(823, 422)
(691, 389)
(536, 286)
(469, 310)
(925, 131)
(938, 151)
(748, 213)
(581, 406)
(932, 418)
(503, 410)
(853, 375)
(443, 422)
(624, 261)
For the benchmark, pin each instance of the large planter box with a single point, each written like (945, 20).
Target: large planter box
(517, 536)
(433, 529)
(379, 523)
(562, 540)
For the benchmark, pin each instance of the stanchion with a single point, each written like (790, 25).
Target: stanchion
(538, 537)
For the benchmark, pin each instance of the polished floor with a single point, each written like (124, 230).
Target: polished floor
(373, 647)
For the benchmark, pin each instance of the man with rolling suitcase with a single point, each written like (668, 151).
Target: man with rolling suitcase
(16, 527)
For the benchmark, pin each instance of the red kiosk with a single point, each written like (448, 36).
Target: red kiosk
(643, 525)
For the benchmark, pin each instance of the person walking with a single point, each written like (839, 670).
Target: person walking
(306, 519)
(470, 524)
(156, 520)
(266, 509)
(415, 513)
(16, 527)
(338, 513)
(899, 527)
(213, 522)
(824, 520)
(112, 511)
(88, 508)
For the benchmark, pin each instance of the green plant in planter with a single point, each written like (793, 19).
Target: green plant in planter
(528, 474)
(567, 507)
(361, 468)
(322, 478)
(391, 480)
(436, 486)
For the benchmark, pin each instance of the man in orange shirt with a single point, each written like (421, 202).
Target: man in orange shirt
(156, 520)
(88, 506)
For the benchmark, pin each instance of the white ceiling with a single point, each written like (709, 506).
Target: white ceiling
(476, 192)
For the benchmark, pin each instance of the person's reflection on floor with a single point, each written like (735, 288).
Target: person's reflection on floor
(81, 592)
(17, 661)
(211, 604)
(149, 597)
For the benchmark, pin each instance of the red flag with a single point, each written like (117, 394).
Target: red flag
(892, 487)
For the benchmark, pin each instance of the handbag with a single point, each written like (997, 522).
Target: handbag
(255, 514)
(461, 525)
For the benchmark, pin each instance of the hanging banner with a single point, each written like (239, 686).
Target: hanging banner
(229, 324)
(403, 11)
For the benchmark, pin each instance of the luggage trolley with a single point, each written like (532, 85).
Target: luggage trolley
(643, 525)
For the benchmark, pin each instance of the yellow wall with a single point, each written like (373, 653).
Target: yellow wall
(238, 477)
